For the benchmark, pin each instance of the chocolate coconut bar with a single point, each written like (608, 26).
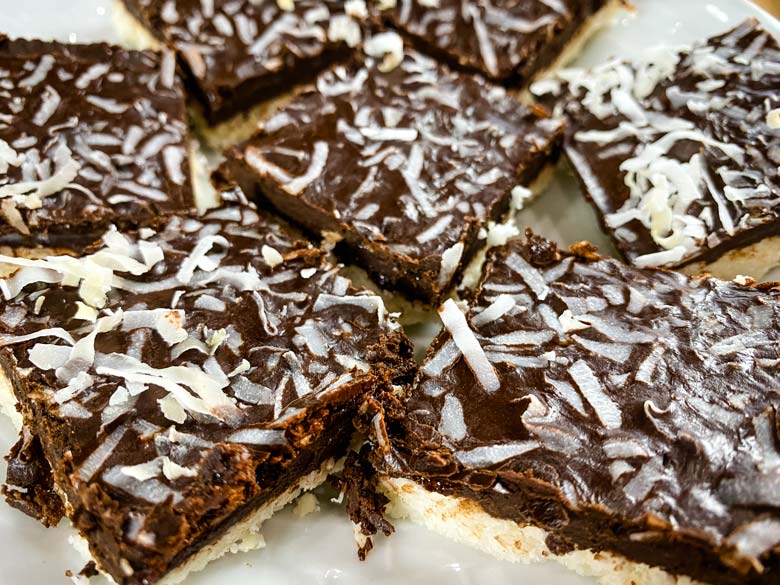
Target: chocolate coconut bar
(680, 152)
(432, 156)
(237, 54)
(90, 135)
(620, 420)
(183, 384)
(507, 42)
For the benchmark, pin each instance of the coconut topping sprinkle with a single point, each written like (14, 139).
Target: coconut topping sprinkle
(82, 131)
(455, 322)
(228, 45)
(157, 353)
(679, 150)
(631, 393)
(435, 155)
(504, 41)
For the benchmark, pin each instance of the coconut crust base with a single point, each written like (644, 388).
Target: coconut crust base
(465, 521)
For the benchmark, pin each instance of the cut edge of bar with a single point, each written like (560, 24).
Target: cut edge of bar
(465, 522)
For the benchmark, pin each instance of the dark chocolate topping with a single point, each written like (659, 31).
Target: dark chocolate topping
(89, 135)
(233, 48)
(680, 150)
(507, 41)
(432, 156)
(172, 377)
(627, 410)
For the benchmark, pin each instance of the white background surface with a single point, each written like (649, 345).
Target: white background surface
(319, 548)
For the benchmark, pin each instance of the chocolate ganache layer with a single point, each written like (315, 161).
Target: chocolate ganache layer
(239, 53)
(622, 410)
(90, 135)
(178, 380)
(679, 151)
(507, 41)
(432, 155)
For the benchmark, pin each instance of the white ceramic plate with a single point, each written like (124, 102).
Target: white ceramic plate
(318, 548)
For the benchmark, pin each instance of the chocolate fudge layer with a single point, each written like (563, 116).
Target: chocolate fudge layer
(625, 412)
(239, 53)
(89, 135)
(680, 151)
(179, 382)
(507, 41)
(432, 156)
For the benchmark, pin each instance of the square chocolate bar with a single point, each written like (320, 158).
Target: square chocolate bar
(180, 386)
(402, 160)
(507, 41)
(238, 54)
(90, 135)
(679, 152)
(622, 421)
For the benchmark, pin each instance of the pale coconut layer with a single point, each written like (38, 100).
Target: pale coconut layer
(466, 522)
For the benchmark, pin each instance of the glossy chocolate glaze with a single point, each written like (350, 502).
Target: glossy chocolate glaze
(707, 112)
(111, 122)
(432, 156)
(636, 412)
(507, 41)
(182, 422)
(238, 53)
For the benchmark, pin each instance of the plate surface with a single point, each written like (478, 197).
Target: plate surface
(318, 548)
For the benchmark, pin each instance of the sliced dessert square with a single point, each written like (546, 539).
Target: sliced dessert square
(508, 41)
(90, 135)
(622, 421)
(402, 160)
(238, 55)
(183, 384)
(679, 152)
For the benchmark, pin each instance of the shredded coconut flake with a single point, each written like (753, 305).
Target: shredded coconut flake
(388, 45)
(258, 437)
(532, 277)
(455, 322)
(773, 119)
(570, 323)
(452, 424)
(271, 256)
(754, 539)
(173, 471)
(142, 471)
(497, 309)
(369, 303)
(318, 160)
(343, 27)
(593, 391)
(494, 454)
(100, 455)
(450, 260)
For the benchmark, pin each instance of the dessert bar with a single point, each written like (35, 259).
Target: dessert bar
(238, 54)
(509, 42)
(402, 160)
(679, 151)
(183, 384)
(90, 135)
(620, 420)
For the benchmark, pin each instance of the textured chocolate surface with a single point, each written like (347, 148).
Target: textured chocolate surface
(29, 483)
(432, 157)
(680, 151)
(177, 381)
(634, 411)
(507, 41)
(89, 135)
(240, 52)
